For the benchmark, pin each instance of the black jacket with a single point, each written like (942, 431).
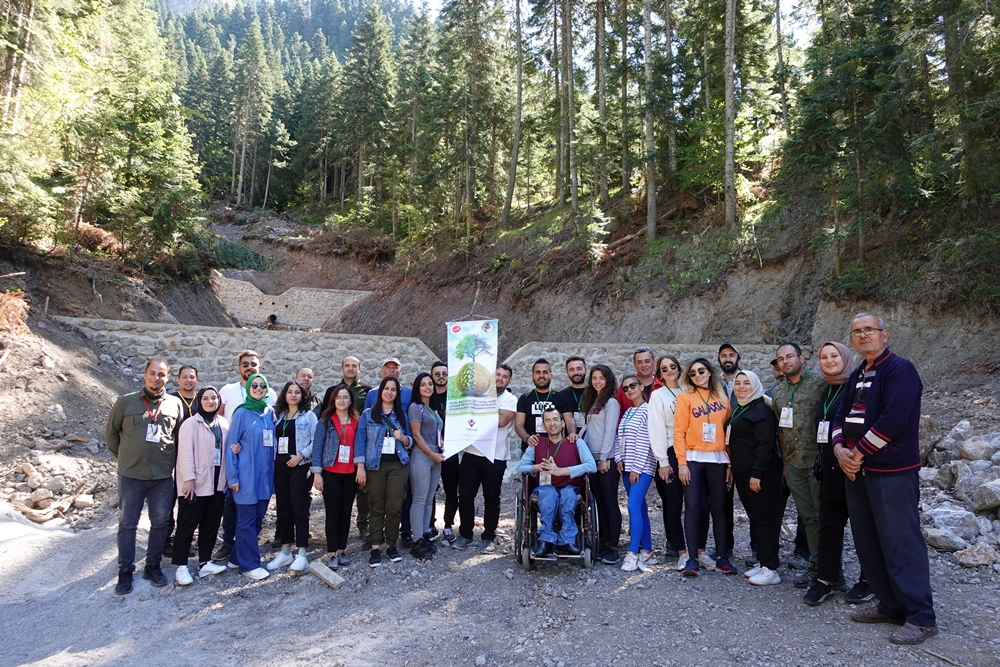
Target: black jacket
(753, 439)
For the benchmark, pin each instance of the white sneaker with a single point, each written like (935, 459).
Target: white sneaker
(752, 572)
(765, 577)
(300, 564)
(211, 568)
(647, 557)
(183, 576)
(631, 562)
(706, 562)
(682, 560)
(257, 574)
(280, 560)
(643, 565)
(231, 565)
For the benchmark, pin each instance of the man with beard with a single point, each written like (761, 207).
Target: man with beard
(351, 368)
(568, 400)
(305, 378)
(142, 436)
(530, 406)
(729, 361)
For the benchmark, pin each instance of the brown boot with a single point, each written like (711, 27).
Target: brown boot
(873, 615)
(912, 634)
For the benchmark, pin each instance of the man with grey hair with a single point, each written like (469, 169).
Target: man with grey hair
(875, 435)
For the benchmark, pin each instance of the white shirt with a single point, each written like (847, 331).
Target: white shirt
(234, 394)
(505, 401)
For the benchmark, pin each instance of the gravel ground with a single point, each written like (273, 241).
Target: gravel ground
(462, 608)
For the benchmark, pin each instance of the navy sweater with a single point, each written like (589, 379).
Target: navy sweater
(892, 417)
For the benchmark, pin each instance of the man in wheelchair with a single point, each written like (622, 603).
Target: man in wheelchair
(560, 466)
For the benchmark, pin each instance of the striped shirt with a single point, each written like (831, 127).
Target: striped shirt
(632, 443)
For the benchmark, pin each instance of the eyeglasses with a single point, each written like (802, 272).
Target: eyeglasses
(668, 367)
(630, 386)
(867, 331)
(440, 374)
(343, 397)
(552, 420)
(258, 385)
(700, 371)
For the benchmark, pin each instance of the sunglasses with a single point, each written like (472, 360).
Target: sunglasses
(441, 374)
(249, 364)
(630, 386)
(668, 367)
(258, 385)
(701, 371)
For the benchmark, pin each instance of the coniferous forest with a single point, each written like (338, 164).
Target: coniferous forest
(867, 119)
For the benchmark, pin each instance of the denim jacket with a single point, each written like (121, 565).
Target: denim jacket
(326, 446)
(368, 440)
(305, 426)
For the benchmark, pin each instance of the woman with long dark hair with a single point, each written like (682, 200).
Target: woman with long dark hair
(336, 472)
(425, 463)
(703, 458)
(601, 414)
(250, 473)
(383, 443)
(201, 484)
(662, 404)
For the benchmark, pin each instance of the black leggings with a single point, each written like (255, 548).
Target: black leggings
(764, 509)
(339, 490)
(672, 497)
(205, 514)
(832, 520)
(604, 486)
(291, 497)
(706, 490)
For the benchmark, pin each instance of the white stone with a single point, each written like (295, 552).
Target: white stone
(46, 362)
(943, 539)
(34, 480)
(961, 431)
(40, 494)
(954, 518)
(55, 484)
(83, 501)
(978, 448)
(987, 496)
(56, 412)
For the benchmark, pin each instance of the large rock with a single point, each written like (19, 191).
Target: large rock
(955, 518)
(943, 539)
(962, 431)
(34, 480)
(940, 457)
(965, 487)
(40, 494)
(979, 448)
(996, 459)
(987, 497)
(928, 436)
(977, 555)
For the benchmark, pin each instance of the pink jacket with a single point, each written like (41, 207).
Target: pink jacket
(196, 455)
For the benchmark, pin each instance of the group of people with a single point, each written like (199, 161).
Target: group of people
(841, 440)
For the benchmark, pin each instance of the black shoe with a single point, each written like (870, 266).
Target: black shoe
(669, 552)
(567, 550)
(154, 575)
(374, 558)
(610, 556)
(841, 584)
(421, 550)
(168, 549)
(124, 586)
(861, 592)
(429, 543)
(805, 579)
(366, 545)
(392, 553)
(406, 541)
(752, 561)
(817, 593)
(432, 534)
(544, 549)
(222, 554)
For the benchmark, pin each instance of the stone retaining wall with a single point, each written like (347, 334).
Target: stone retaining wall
(302, 307)
(213, 350)
(618, 356)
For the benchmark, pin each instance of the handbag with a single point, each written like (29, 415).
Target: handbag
(818, 467)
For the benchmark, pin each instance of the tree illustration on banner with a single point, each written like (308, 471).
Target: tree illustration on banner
(473, 379)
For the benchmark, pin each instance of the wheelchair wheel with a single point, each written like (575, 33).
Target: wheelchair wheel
(519, 537)
(526, 561)
(594, 532)
(587, 560)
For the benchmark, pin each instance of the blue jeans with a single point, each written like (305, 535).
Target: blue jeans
(563, 501)
(249, 520)
(640, 532)
(159, 496)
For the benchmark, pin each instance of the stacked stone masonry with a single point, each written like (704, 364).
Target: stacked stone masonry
(213, 350)
(300, 307)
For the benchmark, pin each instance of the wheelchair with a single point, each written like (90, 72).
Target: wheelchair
(526, 526)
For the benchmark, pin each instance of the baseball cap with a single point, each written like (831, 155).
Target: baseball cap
(391, 360)
(731, 347)
(774, 362)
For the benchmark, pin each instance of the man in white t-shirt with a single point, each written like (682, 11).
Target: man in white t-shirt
(232, 396)
(475, 470)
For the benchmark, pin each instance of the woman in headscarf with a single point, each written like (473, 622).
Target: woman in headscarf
(250, 472)
(756, 465)
(201, 484)
(835, 365)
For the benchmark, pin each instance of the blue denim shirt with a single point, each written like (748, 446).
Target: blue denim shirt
(253, 467)
(368, 440)
(326, 446)
(305, 426)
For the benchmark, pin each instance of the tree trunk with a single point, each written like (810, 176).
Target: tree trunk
(361, 173)
(343, 182)
(243, 151)
(647, 55)
(567, 29)
(560, 141)
(626, 166)
(601, 81)
(781, 69)
(413, 148)
(730, 113)
(253, 174)
(669, 82)
(516, 144)
(704, 61)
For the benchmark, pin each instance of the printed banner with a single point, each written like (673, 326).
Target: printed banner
(471, 418)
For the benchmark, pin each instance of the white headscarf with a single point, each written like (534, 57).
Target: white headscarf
(755, 383)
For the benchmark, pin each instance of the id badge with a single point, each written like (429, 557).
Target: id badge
(823, 433)
(578, 419)
(218, 457)
(544, 478)
(268, 438)
(388, 445)
(787, 417)
(344, 455)
(708, 432)
(283, 445)
(539, 428)
(152, 433)
(729, 430)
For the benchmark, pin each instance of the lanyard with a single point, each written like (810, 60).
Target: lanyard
(285, 420)
(343, 435)
(539, 400)
(738, 412)
(794, 388)
(831, 401)
(672, 392)
(548, 448)
(186, 403)
(152, 416)
(628, 417)
(579, 399)
(708, 407)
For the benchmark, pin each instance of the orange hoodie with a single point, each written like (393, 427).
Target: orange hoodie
(690, 416)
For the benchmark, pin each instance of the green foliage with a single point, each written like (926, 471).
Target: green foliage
(233, 255)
